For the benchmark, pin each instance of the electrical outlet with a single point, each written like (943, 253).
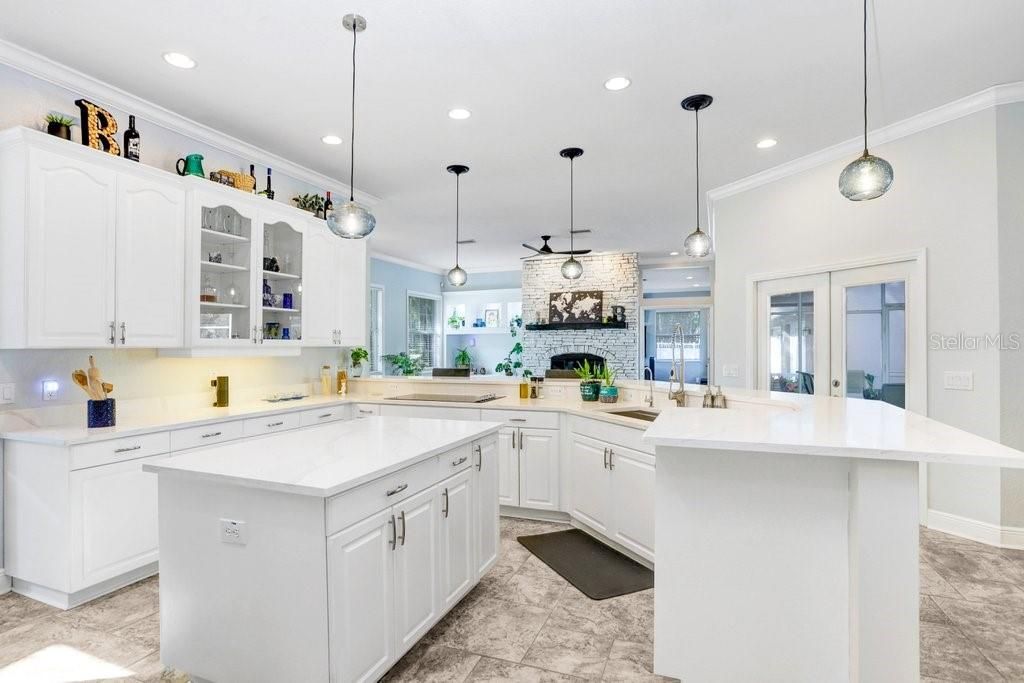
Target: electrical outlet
(7, 393)
(233, 531)
(961, 380)
(50, 389)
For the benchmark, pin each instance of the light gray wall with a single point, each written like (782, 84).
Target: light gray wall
(944, 199)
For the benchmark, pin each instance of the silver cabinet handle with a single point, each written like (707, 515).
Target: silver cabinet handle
(456, 463)
(401, 517)
(210, 435)
(254, 334)
(514, 440)
(324, 416)
(124, 331)
(271, 425)
(365, 412)
(604, 463)
(112, 324)
(611, 463)
(127, 449)
(479, 458)
(394, 532)
(517, 419)
(397, 489)
(444, 510)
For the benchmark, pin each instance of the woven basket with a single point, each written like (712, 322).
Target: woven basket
(241, 181)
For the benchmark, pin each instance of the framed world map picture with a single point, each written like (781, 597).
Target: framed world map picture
(576, 307)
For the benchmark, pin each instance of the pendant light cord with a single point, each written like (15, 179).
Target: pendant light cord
(696, 156)
(457, 218)
(352, 136)
(572, 210)
(865, 32)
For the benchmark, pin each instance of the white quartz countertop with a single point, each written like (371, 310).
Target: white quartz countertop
(823, 426)
(327, 459)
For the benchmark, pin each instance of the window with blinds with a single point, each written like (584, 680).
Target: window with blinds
(665, 324)
(424, 329)
(376, 340)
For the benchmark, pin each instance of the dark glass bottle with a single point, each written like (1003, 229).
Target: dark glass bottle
(328, 204)
(252, 174)
(269, 192)
(132, 141)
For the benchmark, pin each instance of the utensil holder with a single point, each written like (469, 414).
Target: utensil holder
(101, 413)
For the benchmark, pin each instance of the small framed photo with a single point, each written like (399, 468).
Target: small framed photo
(492, 316)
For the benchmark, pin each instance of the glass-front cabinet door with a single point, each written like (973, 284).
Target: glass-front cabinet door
(222, 285)
(280, 281)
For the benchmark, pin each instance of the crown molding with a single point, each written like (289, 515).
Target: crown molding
(1007, 93)
(64, 76)
(407, 263)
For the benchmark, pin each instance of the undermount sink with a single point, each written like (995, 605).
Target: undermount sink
(636, 414)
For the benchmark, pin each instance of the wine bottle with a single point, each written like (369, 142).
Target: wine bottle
(269, 192)
(328, 205)
(132, 141)
(252, 174)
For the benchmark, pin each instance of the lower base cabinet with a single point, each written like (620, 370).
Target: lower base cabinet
(392, 576)
(528, 460)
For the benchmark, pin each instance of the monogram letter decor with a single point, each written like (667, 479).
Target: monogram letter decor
(99, 128)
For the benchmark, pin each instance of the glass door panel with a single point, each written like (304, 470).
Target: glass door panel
(281, 283)
(875, 342)
(225, 306)
(793, 334)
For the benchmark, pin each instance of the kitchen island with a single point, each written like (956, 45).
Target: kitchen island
(324, 553)
(787, 542)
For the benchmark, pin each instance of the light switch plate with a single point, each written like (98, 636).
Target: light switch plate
(234, 531)
(730, 370)
(7, 393)
(958, 380)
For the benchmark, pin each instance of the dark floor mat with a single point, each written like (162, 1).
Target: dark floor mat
(595, 569)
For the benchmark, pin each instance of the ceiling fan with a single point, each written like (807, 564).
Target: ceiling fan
(546, 250)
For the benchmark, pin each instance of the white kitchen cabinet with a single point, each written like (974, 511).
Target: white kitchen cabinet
(361, 582)
(150, 263)
(281, 237)
(458, 561)
(70, 251)
(632, 499)
(322, 287)
(113, 521)
(418, 563)
(353, 292)
(508, 466)
(538, 468)
(590, 483)
(486, 501)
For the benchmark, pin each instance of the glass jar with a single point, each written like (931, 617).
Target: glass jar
(208, 293)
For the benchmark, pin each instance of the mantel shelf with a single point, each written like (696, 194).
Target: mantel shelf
(576, 326)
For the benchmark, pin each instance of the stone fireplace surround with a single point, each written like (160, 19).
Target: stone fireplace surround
(618, 277)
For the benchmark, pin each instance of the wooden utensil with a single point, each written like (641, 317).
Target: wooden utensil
(82, 380)
(95, 380)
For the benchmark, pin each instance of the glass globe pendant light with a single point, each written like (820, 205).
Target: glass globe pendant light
(571, 269)
(698, 242)
(457, 276)
(867, 177)
(351, 220)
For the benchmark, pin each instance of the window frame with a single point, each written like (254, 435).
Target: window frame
(377, 359)
(438, 323)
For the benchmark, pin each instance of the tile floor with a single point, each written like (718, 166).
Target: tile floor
(525, 623)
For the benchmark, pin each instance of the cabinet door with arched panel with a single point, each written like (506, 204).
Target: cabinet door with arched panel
(280, 285)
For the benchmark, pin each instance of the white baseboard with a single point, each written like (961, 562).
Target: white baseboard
(982, 532)
(5, 582)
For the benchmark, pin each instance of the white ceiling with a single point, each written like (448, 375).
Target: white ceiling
(276, 74)
(669, 279)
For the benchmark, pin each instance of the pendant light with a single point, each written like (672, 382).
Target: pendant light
(571, 269)
(867, 177)
(352, 220)
(698, 242)
(457, 276)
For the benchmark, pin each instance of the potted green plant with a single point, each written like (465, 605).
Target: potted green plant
(609, 392)
(513, 361)
(313, 203)
(59, 125)
(405, 364)
(455, 321)
(589, 384)
(462, 358)
(359, 355)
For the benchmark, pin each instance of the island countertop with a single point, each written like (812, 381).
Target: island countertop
(328, 459)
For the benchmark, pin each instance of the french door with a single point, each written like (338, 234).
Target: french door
(854, 332)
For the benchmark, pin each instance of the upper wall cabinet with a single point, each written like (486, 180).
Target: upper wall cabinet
(91, 254)
(336, 296)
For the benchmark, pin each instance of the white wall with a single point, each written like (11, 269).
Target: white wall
(944, 199)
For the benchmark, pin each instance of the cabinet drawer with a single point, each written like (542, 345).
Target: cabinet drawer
(367, 409)
(319, 416)
(455, 460)
(612, 434)
(521, 418)
(117, 450)
(361, 502)
(255, 426)
(206, 434)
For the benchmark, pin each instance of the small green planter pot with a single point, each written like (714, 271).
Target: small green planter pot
(589, 390)
(609, 394)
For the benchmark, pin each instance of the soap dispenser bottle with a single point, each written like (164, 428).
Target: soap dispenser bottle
(719, 400)
(709, 399)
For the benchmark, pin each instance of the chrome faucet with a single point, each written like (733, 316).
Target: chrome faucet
(679, 395)
(650, 393)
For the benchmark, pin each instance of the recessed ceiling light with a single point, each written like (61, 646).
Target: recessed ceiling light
(179, 60)
(767, 143)
(459, 114)
(330, 140)
(673, 253)
(689, 277)
(617, 83)
(696, 284)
